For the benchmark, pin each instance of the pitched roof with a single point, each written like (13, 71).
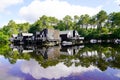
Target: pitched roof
(66, 32)
(27, 34)
(14, 35)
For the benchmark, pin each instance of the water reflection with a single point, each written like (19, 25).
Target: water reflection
(47, 52)
(97, 55)
(58, 62)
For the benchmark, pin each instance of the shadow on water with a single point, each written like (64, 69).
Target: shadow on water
(99, 55)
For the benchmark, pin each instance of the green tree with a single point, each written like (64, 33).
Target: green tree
(53, 21)
(115, 19)
(34, 28)
(101, 17)
(93, 22)
(3, 38)
(23, 27)
(76, 19)
(116, 33)
(46, 22)
(60, 26)
(10, 28)
(68, 21)
(84, 20)
(110, 23)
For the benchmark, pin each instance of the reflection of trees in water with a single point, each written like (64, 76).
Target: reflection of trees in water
(102, 56)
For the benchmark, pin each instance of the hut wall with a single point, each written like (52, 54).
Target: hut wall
(52, 34)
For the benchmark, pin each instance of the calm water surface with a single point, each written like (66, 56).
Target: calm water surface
(83, 62)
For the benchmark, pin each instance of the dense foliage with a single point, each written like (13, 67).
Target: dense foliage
(101, 25)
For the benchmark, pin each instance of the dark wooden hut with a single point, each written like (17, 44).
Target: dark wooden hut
(25, 37)
(48, 35)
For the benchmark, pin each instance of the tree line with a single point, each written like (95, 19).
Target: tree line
(99, 26)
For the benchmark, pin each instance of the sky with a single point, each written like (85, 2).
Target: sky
(30, 10)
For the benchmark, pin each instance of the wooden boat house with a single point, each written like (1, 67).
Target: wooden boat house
(23, 38)
(69, 34)
(70, 37)
(48, 37)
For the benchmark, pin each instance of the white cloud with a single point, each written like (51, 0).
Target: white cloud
(20, 21)
(118, 74)
(5, 68)
(56, 8)
(2, 24)
(117, 1)
(17, 21)
(56, 72)
(7, 3)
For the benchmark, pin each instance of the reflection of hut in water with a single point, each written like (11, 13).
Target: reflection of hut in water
(70, 50)
(67, 51)
(22, 48)
(14, 48)
(13, 38)
(49, 53)
(53, 52)
(95, 54)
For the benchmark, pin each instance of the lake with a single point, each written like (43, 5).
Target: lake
(81, 62)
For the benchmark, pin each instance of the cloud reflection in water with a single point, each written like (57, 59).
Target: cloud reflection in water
(56, 72)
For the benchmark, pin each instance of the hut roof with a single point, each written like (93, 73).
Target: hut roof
(14, 35)
(27, 51)
(66, 32)
(27, 34)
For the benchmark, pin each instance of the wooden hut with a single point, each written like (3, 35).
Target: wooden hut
(25, 37)
(70, 37)
(69, 34)
(48, 36)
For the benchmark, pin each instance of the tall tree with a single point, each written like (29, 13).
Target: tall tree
(115, 19)
(84, 20)
(68, 21)
(10, 28)
(76, 19)
(43, 22)
(101, 17)
(60, 25)
(53, 21)
(93, 22)
(34, 27)
(23, 27)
